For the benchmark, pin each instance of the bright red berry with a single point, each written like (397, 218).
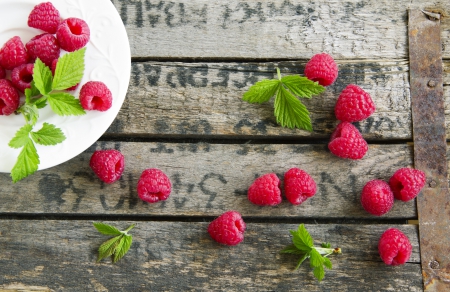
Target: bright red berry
(321, 68)
(406, 183)
(377, 197)
(73, 34)
(53, 68)
(353, 104)
(153, 186)
(44, 16)
(298, 186)
(9, 97)
(394, 247)
(228, 228)
(2, 73)
(13, 54)
(22, 76)
(45, 47)
(347, 142)
(108, 165)
(95, 95)
(265, 190)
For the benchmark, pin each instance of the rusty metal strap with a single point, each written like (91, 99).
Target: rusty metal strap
(430, 148)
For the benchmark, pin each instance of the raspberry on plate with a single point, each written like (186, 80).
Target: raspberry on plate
(377, 197)
(95, 95)
(44, 16)
(22, 76)
(353, 104)
(406, 183)
(265, 190)
(45, 47)
(2, 73)
(108, 165)
(347, 142)
(13, 54)
(9, 97)
(73, 34)
(228, 228)
(298, 186)
(154, 186)
(321, 68)
(394, 247)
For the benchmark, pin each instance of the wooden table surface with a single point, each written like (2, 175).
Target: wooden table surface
(191, 63)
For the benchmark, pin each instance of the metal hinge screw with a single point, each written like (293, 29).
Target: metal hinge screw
(434, 264)
(431, 83)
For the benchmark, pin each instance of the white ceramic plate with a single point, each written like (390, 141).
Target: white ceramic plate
(108, 59)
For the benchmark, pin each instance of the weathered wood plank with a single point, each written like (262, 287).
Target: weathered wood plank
(291, 29)
(177, 256)
(208, 179)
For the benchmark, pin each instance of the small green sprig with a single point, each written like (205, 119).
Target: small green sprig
(116, 246)
(288, 109)
(303, 245)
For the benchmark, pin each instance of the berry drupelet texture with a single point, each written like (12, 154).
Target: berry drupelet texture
(228, 228)
(9, 97)
(394, 247)
(406, 183)
(45, 47)
(354, 104)
(108, 165)
(265, 190)
(298, 186)
(44, 16)
(73, 34)
(22, 76)
(377, 197)
(154, 186)
(95, 95)
(13, 54)
(347, 142)
(322, 68)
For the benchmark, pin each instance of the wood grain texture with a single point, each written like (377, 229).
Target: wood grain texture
(209, 179)
(292, 29)
(180, 256)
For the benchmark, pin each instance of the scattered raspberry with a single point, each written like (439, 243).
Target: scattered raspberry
(394, 247)
(321, 68)
(298, 186)
(108, 165)
(347, 142)
(377, 197)
(2, 73)
(44, 16)
(95, 95)
(265, 190)
(53, 68)
(406, 183)
(228, 228)
(45, 47)
(153, 186)
(9, 97)
(22, 76)
(353, 104)
(73, 34)
(13, 54)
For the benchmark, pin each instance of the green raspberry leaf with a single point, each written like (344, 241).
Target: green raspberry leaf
(302, 86)
(124, 247)
(27, 162)
(48, 135)
(315, 258)
(261, 91)
(106, 229)
(42, 77)
(327, 263)
(31, 92)
(69, 70)
(40, 102)
(65, 104)
(290, 112)
(21, 138)
(302, 239)
(117, 246)
(319, 272)
(292, 249)
(107, 248)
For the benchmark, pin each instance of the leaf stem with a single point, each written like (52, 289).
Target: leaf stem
(128, 229)
(327, 251)
(278, 73)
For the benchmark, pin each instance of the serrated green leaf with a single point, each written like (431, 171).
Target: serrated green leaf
(262, 91)
(31, 92)
(326, 245)
(327, 263)
(27, 162)
(315, 258)
(40, 102)
(302, 259)
(69, 70)
(42, 77)
(106, 229)
(302, 86)
(292, 249)
(119, 253)
(21, 138)
(65, 104)
(48, 135)
(31, 113)
(319, 272)
(299, 242)
(107, 248)
(290, 112)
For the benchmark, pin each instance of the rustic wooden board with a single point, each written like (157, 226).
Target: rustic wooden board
(180, 256)
(291, 29)
(209, 179)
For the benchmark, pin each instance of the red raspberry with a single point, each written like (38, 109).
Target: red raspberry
(108, 165)
(95, 95)
(298, 186)
(73, 34)
(2, 73)
(13, 54)
(44, 16)
(377, 197)
(321, 68)
(45, 47)
(265, 190)
(347, 142)
(353, 104)
(22, 76)
(394, 247)
(154, 186)
(228, 228)
(406, 183)
(53, 68)
(9, 97)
